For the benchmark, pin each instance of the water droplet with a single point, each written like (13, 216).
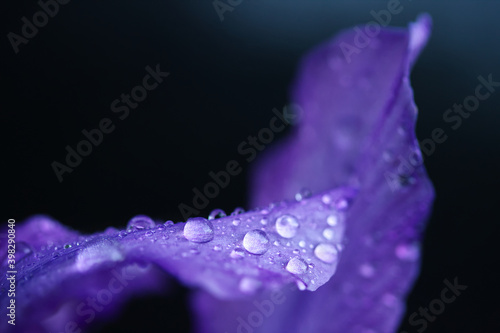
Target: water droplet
(326, 253)
(302, 194)
(302, 243)
(287, 226)
(296, 251)
(366, 270)
(236, 222)
(256, 242)
(194, 251)
(328, 233)
(140, 222)
(237, 211)
(67, 246)
(263, 221)
(217, 248)
(216, 214)
(326, 199)
(168, 223)
(342, 204)
(296, 266)
(198, 230)
(301, 285)
(332, 220)
(311, 265)
(237, 253)
(149, 233)
(408, 252)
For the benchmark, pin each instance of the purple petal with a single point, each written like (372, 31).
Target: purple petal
(357, 128)
(60, 280)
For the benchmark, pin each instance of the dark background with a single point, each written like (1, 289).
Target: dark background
(225, 78)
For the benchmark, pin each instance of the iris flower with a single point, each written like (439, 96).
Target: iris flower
(339, 257)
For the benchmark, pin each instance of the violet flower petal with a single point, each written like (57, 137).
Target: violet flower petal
(357, 128)
(65, 273)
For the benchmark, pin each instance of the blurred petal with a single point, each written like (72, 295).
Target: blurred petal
(357, 129)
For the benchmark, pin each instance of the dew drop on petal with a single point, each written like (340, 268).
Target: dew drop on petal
(217, 248)
(256, 242)
(328, 233)
(198, 230)
(332, 220)
(302, 243)
(216, 213)
(236, 222)
(237, 253)
(342, 204)
(140, 222)
(301, 285)
(326, 253)
(302, 194)
(296, 266)
(287, 226)
(237, 211)
(326, 199)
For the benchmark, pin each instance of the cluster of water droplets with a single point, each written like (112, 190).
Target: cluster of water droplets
(275, 235)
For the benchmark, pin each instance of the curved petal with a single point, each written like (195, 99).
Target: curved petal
(357, 128)
(64, 278)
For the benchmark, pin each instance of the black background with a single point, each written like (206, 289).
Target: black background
(225, 78)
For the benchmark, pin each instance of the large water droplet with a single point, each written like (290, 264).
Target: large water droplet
(198, 230)
(326, 253)
(256, 242)
(140, 222)
(287, 226)
(296, 266)
(216, 213)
